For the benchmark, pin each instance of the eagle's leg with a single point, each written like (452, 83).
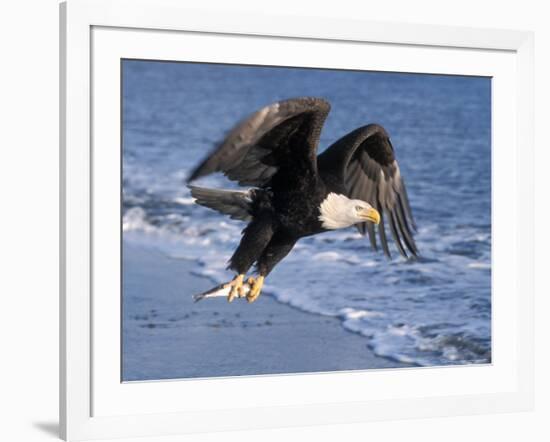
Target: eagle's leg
(279, 246)
(256, 285)
(256, 237)
(236, 286)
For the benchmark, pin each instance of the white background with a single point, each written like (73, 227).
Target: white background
(29, 206)
(110, 397)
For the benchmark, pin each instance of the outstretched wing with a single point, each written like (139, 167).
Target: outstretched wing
(364, 163)
(278, 138)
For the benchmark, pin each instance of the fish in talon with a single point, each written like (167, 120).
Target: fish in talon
(221, 291)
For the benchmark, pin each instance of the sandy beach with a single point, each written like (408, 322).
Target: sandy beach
(168, 336)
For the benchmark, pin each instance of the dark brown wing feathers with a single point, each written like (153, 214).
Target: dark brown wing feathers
(257, 148)
(365, 162)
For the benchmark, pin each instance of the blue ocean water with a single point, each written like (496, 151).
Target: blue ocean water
(433, 311)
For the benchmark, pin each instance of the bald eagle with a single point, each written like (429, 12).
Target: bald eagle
(295, 193)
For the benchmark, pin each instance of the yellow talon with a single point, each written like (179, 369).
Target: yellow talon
(241, 291)
(256, 288)
(236, 287)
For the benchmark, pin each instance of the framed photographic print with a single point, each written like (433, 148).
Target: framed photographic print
(360, 193)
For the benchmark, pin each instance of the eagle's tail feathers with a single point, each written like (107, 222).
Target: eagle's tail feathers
(235, 203)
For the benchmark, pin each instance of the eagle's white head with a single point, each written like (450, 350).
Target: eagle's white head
(339, 211)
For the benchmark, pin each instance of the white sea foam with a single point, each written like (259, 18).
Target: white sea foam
(328, 256)
(350, 313)
(479, 265)
(135, 219)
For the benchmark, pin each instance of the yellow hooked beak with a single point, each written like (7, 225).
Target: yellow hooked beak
(371, 215)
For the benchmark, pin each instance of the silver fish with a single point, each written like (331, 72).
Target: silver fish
(220, 291)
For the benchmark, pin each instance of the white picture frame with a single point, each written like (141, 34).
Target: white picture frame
(95, 35)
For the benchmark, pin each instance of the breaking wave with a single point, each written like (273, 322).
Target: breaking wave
(428, 312)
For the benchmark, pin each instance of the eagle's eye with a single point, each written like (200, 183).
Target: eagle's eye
(358, 208)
